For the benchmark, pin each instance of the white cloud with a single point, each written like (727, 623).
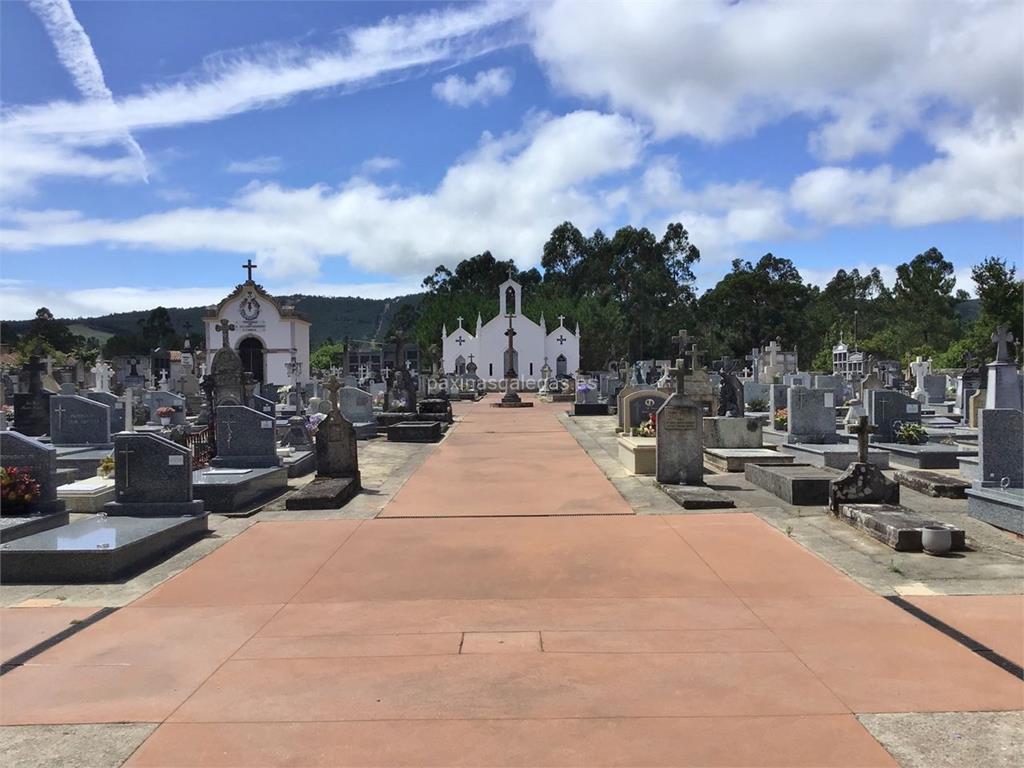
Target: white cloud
(75, 51)
(506, 196)
(720, 70)
(267, 77)
(979, 173)
(257, 166)
(379, 164)
(488, 84)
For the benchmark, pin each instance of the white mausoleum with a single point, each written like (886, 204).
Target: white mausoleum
(534, 345)
(267, 336)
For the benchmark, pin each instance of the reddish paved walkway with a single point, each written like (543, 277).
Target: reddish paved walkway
(500, 461)
(586, 641)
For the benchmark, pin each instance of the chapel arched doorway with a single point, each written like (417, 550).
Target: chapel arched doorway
(251, 351)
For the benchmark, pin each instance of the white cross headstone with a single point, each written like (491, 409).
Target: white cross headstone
(919, 369)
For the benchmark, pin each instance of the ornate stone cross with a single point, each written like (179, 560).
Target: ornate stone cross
(249, 267)
(1000, 339)
(224, 327)
(332, 386)
(863, 430)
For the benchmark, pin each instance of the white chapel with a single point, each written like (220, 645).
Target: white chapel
(533, 344)
(272, 339)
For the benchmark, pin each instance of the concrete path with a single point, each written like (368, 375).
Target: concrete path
(465, 639)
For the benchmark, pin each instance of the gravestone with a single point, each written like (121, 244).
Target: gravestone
(152, 477)
(753, 390)
(975, 405)
(1000, 452)
(32, 407)
(935, 386)
(245, 439)
(797, 379)
(78, 420)
(265, 406)
(158, 398)
(620, 399)
(227, 372)
(887, 410)
(355, 404)
(777, 398)
(862, 482)
(639, 406)
(679, 430)
(40, 460)
(116, 406)
(828, 381)
(812, 416)
(1004, 380)
(336, 451)
(297, 436)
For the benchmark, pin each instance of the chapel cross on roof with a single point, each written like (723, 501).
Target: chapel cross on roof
(249, 267)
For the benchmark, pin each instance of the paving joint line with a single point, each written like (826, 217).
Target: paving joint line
(982, 650)
(27, 655)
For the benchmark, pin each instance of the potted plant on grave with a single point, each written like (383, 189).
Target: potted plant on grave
(757, 405)
(106, 467)
(164, 413)
(18, 489)
(911, 434)
(782, 419)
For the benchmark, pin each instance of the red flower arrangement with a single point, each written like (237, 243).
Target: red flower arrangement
(18, 489)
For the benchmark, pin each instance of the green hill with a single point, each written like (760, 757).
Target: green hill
(332, 317)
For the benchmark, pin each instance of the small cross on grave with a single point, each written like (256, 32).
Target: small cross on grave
(332, 386)
(126, 453)
(695, 354)
(678, 372)
(224, 327)
(48, 361)
(1000, 338)
(863, 430)
(249, 267)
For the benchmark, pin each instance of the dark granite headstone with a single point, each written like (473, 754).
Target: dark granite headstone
(245, 438)
(298, 436)
(32, 407)
(887, 410)
(17, 450)
(641, 405)
(78, 420)
(267, 407)
(116, 406)
(152, 477)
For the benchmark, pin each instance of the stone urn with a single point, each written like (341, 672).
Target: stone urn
(936, 539)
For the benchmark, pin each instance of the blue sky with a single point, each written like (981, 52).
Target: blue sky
(148, 149)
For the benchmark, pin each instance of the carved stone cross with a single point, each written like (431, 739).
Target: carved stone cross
(863, 430)
(1000, 339)
(695, 354)
(224, 327)
(332, 386)
(682, 339)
